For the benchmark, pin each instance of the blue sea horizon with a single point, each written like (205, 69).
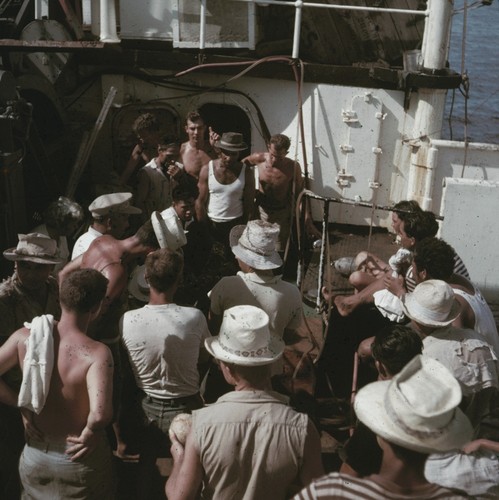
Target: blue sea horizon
(481, 62)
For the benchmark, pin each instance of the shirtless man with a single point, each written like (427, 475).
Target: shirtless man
(31, 291)
(147, 130)
(279, 182)
(195, 152)
(66, 440)
(113, 259)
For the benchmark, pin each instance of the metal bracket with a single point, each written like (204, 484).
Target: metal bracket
(343, 179)
(349, 116)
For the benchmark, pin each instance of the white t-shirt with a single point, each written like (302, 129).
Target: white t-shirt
(163, 344)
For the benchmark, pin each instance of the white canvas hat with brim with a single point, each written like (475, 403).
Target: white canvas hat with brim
(34, 247)
(138, 286)
(417, 409)
(432, 303)
(168, 231)
(255, 244)
(245, 339)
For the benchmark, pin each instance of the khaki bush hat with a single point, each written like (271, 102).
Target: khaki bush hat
(113, 203)
(34, 247)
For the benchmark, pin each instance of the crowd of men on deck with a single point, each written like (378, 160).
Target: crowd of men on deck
(174, 302)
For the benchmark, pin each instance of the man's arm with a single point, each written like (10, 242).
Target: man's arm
(69, 267)
(9, 357)
(185, 479)
(100, 392)
(248, 193)
(203, 194)
(11, 354)
(254, 159)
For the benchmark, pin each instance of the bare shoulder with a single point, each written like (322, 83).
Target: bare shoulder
(13, 350)
(256, 158)
(203, 173)
(102, 353)
(86, 348)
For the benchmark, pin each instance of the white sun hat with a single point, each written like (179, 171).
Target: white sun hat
(168, 231)
(245, 338)
(255, 244)
(432, 303)
(417, 409)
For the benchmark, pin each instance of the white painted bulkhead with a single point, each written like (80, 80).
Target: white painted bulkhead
(326, 133)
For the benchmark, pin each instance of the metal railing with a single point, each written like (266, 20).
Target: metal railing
(300, 5)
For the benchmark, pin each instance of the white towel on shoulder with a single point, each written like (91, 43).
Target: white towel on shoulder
(38, 364)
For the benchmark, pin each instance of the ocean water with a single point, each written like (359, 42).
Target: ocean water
(481, 61)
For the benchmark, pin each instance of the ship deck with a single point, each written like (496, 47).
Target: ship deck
(333, 415)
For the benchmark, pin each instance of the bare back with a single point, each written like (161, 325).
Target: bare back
(81, 381)
(105, 255)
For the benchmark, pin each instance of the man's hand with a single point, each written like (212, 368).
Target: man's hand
(472, 446)
(83, 444)
(213, 137)
(121, 453)
(174, 171)
(394, 285)
(31, 431)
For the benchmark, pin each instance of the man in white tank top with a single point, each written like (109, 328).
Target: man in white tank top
(226, 190)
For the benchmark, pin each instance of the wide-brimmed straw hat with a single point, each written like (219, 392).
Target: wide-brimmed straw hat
(113, 203)
(168, 231)
(255, 244)
(432, 303)
(34, 247)
(231, 141)
(138, 286)
(417, 409)
(245, 338)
